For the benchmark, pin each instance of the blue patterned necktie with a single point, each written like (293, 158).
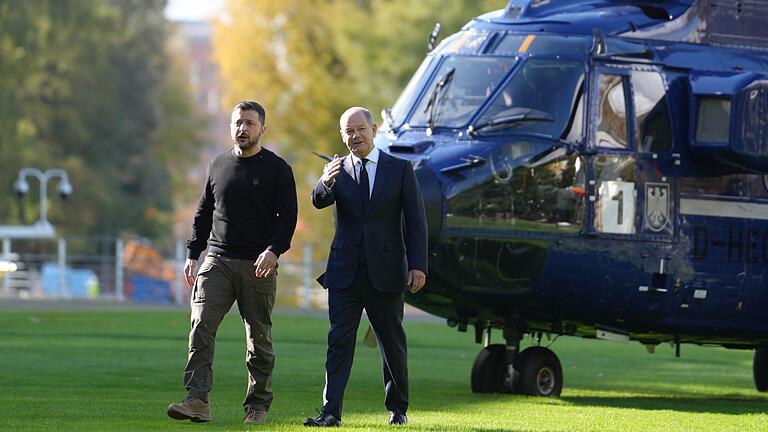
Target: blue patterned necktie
(364, 184)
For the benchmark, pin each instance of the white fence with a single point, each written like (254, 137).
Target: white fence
(97, 268)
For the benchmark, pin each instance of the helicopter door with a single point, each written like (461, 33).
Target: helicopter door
(613, 196)
(612, 204)
(656, 193)
(632, 188)
(753, 299)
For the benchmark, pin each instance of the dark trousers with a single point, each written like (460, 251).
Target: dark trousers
(385, 313)
(220, 281)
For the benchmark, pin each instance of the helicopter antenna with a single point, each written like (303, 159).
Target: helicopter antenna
(433, 36)
(322, 156)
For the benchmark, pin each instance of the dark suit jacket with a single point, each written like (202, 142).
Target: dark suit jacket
(391, 248)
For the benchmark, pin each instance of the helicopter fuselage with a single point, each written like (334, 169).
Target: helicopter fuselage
(587, 179)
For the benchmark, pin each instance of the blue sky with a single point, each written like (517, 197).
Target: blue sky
(192, 10)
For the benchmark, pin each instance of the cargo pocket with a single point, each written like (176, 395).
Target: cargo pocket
(198, 293)
(263, 306)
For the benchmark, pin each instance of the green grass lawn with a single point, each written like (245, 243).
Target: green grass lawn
(118, 370)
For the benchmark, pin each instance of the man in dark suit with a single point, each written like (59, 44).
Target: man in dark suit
(374, 258)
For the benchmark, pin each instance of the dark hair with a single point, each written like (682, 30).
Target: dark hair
(249, 105)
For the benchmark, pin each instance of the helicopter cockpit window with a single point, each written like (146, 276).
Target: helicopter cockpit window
(713, 120)
(615, 201)
(550, 191)
(466, 42)
(550, 44)
(400, 109)
(654, 131)
(545, 195)
(458, 88)
(611, 129)
(539, 98)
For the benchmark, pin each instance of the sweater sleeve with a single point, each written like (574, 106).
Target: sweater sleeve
(286, 207)
(201, 226)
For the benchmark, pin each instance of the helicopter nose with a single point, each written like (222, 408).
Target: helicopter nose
(433, 201)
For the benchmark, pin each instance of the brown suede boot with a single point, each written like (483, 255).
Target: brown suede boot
(190, 409)
(255, 415)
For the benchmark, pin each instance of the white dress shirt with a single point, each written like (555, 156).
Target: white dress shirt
(370, 167)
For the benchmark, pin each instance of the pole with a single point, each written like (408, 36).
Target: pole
(62, 252)
(119, 246)
(7, 275)
(179, 284)
(43, 195)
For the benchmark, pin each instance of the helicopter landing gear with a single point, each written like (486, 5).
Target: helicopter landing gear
(540, 372)
(488, 370)
(760, 369)
(493, 370)
(500, 369)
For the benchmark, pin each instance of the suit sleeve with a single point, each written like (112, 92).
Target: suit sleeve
(203, 220)
(287, 210)
(415, 221)
(322, 195)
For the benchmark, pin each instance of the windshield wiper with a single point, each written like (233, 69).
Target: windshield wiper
(434, 98)
(528, 115)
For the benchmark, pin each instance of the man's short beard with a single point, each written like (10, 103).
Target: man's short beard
(249, 145)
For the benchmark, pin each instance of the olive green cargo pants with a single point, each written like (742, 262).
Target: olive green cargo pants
(220, 282)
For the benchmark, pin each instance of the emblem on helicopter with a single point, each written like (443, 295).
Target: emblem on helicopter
(656, 205)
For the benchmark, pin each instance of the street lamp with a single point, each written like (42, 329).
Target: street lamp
(42, 228)
(21, 187)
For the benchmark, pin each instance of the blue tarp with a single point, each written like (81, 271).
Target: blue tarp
(80, 282)
(145, 289)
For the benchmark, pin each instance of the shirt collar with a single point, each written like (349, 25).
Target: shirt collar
(373, 156)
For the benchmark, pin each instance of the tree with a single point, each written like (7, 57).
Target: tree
(87, 85)
(308, 62)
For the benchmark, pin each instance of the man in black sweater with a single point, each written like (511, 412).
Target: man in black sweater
(246, 216)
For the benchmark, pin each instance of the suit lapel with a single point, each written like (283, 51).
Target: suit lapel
(382, 170)
(349, 168)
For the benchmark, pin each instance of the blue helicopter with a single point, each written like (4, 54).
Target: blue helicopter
(596, 169)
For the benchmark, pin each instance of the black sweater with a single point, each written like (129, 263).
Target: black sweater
(248, 205)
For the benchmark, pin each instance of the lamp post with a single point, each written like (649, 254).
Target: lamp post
(42, 228)
(21, 187)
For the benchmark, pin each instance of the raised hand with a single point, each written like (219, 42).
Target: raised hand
(331, 170)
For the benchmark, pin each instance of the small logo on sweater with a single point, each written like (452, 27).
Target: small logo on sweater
(255, 181)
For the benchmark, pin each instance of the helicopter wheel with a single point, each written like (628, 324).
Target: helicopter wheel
(540, 372)
(489, 371)
(760, 369)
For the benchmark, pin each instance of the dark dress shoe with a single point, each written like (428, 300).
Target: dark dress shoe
(323, 420)
(395, 418)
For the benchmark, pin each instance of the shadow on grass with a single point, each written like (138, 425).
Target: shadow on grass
(181, 336)
(720, 404)
(109, 336)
